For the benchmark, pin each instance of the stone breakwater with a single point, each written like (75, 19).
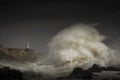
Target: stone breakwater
(20, 54)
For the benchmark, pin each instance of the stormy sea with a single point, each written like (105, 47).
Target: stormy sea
(77, 52)
(58, 40)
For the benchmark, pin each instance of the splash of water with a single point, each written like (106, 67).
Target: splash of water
(80, 45)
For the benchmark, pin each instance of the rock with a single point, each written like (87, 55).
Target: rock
(10, 74)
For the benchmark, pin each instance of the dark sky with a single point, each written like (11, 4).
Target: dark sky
(38, 22)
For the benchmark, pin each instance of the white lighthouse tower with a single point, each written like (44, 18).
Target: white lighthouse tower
(27, 45)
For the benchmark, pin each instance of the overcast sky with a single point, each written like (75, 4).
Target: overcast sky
(37, 23)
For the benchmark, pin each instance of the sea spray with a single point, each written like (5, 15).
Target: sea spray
(80, 45)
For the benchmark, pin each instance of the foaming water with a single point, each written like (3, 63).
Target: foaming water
(81, 46)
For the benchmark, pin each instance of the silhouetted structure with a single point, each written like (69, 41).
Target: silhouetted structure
(10, 74)
(79, 73)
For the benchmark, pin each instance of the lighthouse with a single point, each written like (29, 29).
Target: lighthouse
(27, 45)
